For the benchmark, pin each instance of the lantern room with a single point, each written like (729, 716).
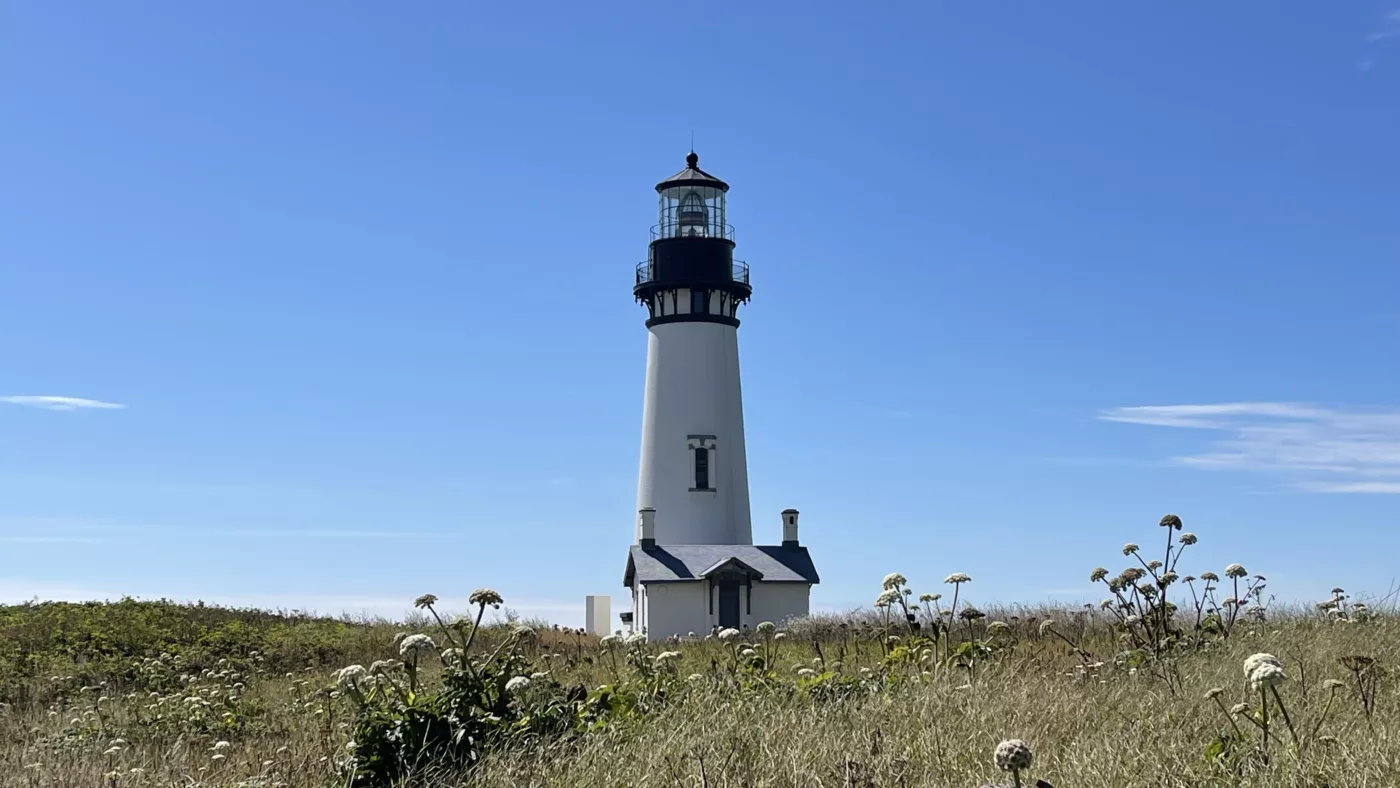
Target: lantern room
(691, 205)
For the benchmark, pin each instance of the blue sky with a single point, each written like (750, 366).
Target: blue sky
(1025, 279)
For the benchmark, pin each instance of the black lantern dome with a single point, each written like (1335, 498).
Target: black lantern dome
(690, 273)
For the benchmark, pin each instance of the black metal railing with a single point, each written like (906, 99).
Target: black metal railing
(646, 272)
(692, 229)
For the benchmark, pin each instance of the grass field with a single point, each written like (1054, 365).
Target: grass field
(1128, 694)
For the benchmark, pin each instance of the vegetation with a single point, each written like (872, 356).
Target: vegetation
(1175, 680)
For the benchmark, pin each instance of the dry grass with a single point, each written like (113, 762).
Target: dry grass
(1116, 729)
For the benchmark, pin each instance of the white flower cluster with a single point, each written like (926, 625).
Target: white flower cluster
(1013, 755)
(1263, 671)
(415, 643)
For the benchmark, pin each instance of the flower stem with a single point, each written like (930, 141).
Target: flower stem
(1287, 721)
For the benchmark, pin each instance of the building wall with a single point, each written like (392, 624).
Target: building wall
(681, 608)
(778, 602)
(598, 615)
(675, 609)
(692, 388)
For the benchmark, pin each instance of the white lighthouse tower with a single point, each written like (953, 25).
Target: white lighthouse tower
(694, 538)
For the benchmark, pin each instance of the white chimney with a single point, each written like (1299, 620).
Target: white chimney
(789, 528)
(646, 527)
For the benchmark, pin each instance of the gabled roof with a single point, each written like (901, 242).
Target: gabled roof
(692, 175)
(692, 562)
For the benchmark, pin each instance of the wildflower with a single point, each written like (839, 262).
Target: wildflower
(957, 577)
(780, 636)
(1240, 708)
(887, 598)
(1266, 675)
(635, 639)
(1098, 574)
(415, 643)
(748, 653)
(1013, 755)
(925, 598)
(970, 613)
(112, 751)
(806, 673)
(1228, 601)
(1235, 570)
(1133, 619)
(608, 641)
(1129, 548)
(218, 756)
(427, 600)
(382, 665)
(764, 627)
(1333, 684)
(1105, 604)
(1187, 538)
(1337, 592)
(694, 677)
(1131, 575)
(893, 580)
(349, 673)
(1168, 577)
(484, 597)
(1154, 564)
(667, 656)
(728, 633)
(517, 684)
(1210, 577)
(998, 628)
(220, 745)
(449, 654)
(1214, 692)
(1327, 739)
(1171, 521)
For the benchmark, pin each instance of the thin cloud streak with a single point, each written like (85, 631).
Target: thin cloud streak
(50, 402)
(1315, 449)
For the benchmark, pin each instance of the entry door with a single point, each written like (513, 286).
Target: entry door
(729, 606)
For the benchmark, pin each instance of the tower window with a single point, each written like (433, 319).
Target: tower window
(699, 301)
(702, 469)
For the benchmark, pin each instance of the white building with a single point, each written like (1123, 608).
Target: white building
(693, 565)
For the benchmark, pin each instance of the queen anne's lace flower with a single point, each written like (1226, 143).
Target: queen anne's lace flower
(349, 673)
(893, 580)
(485, 596)
(1013, 755)
(1266, 675)
(764, 627)
(887, 598)
(1253, 661)
(415, 643)
(957, 577)
(728, 633)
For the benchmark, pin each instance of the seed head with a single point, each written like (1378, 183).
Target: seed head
(886, 598)
(970, 613)
(1098, 574)
(1154, 564)
(427, 600)
(1171, 521)
(1013, 755)
(764, 627)
(1214, 692)
(1129, 548)
(1235, 570)
(728, 633)
(1337, 592)
(893, 580)
(925, 598)
(1333, 684)
(957, 577)
(1240, 708)
(485, 596)
(998, 628)
(806, 673)
(1187, 538)
(348, 674)
(1046, 626)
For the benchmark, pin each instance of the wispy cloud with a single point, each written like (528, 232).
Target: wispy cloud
(1391, 28)
(1315, 449)
(48, 402)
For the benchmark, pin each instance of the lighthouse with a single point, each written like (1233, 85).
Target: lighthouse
(693, 565)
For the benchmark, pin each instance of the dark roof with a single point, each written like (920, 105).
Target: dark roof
(691, 562)
(692, 175)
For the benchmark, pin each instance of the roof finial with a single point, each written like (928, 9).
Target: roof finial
(692, 160)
